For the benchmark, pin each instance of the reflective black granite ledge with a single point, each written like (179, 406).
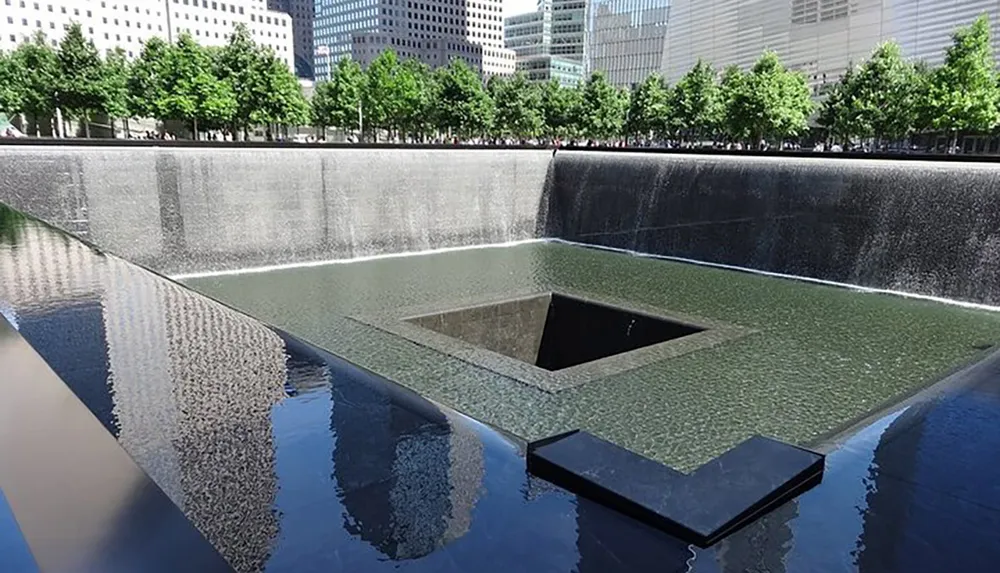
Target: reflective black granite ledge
(701, 507)
(289, 459)
(81, 502)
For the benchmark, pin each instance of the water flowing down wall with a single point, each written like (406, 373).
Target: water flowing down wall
(182, 209)
(917, 226)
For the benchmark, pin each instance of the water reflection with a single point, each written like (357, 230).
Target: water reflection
(290, 459)
(11, 222)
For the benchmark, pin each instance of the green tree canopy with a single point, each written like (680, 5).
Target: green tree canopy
(336, 102)
(416, 91)
(41, 64)
(732, 86)
(962, 95)
(115, 85)
(649, 108)
(281, 101)
(13, 78)
(238, 64)
(560, 110)
(836, 113)
(696, 102)
(381, 97)
(147, 82)
(463, 107)
(518, 104)
(770, 101)
(191, 91)
(603, 107)
(79, 81)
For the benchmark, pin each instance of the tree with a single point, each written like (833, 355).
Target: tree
(381, 94)
(115, 88)
(191, 92)
(238, 64)
(649, 110)
(40, 85)
(962, 94)
(12, 80)
(603, 107)
(696, 102)
(80, 73)
(560, 108)
(837, 110)
(880, 96)
(731, 89)
(281, 102)
(147, 83)
(518, 105)
(770, 102)
(337, 103)
(463, 107)
(415, 91)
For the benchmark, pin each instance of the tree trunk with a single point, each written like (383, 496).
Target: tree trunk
(86, 124)
(128, 133)
(954, 143)
(194, 130)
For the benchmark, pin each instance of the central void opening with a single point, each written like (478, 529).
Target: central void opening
(554, 331)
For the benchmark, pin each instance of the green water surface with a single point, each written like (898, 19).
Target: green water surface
(821, 357)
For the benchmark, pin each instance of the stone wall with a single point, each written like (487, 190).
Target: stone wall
(180, 209)
(928, 227)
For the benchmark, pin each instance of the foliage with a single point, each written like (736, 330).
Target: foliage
(12, 80)
(115, 85)
(770, 102)
(696, 102)
(416, 90)
(238, 64)
(192, 93)
(80, 91)
(560, 110)
(836, 111)
(463, 107)
(603, 107)
(518, 107)
(280, 101)
(962, 95)
(649, 108)
(38, 96)
(731, 89)
(147, 83)
(381, 94)
(336, 102)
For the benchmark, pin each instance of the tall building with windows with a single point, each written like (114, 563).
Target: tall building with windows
(625, 38)
(126, 24)
(301, 13)
(432, 31)
(532, 38)
(818, 37)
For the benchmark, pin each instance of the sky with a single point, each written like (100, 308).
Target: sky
(514, 7)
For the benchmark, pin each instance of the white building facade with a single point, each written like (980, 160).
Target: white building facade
(625, 38)
(432, 31)
(301, 13)
(126, 24)
(819, 37)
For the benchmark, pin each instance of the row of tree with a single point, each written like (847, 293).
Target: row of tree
(240, 85)
(233, 87)
(882, 100)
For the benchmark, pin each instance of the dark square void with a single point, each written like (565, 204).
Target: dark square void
(554, 331)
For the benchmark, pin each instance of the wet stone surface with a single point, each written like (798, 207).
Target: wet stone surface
(815, 358)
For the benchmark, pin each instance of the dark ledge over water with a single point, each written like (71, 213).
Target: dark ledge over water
(703, 507)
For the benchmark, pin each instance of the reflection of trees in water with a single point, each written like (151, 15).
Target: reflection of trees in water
(762, 545)
(11, 222)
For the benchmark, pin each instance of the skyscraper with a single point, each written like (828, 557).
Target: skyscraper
(301, 13)
(432, 31)
(625, 38)
(548, 42)
(818, 37)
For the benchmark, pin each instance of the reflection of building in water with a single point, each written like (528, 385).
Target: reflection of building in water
(185, 384)
(408, 481)
(762, 545)
(611, 542)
